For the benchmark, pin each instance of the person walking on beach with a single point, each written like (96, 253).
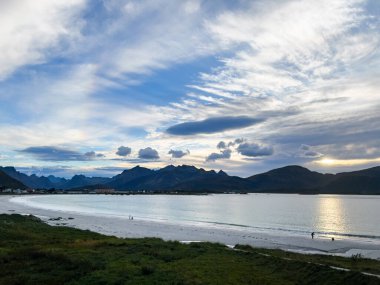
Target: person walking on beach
(312, 235)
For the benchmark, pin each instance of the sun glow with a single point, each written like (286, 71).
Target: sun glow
(327, 161)
(346, 162)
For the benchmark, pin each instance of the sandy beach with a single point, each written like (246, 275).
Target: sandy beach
(122, 227)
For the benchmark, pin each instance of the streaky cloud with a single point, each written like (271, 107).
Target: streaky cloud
(213, 125)
(52, 153)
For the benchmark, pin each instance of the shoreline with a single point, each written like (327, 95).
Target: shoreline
(125, 228)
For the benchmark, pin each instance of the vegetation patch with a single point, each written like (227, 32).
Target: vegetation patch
(32, 252)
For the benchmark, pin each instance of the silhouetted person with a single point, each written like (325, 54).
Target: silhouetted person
(332, 239)
(312, 235)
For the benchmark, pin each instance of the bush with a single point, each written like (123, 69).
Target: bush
(147, 270)
(356, 257)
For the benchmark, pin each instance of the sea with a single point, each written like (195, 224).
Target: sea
(343, 216)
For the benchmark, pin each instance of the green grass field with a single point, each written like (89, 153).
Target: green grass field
(32, 252)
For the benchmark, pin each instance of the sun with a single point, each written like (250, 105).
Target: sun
(327, 161)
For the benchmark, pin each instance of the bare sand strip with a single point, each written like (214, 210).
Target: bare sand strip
(122, 227)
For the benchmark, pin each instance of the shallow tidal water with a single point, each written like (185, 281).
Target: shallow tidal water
(343, 216)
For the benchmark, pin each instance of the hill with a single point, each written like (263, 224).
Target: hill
(32, 181)
(8, 182)
(287, 179)
(297, 179)
(365, 181)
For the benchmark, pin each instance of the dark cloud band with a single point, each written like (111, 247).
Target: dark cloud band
(52, 153)
(213, 125)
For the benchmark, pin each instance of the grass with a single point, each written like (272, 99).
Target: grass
(32, 252)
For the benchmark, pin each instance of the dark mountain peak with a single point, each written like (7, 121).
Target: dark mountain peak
(138, 167)
(179, 168)
(119, 181)
(32, 181)
(57, 181)
(189, 168)
(78, 176)
(222, 173)
(6, 181)
(9, 168)
(168, 168)
(290, 169)
(372, 172)
(288, 177)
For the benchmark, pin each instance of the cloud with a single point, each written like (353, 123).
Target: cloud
(123, 151)
(241, 146)
(52, 153)
(213, 125)
(148, 153)
(178, 153)
(254, 150)
(236, 141)
(93, 154)
(224, 145)
(111, 168)
(30, 31)
(149, 49)
(224, 154)
(221, 145)
(307, 151)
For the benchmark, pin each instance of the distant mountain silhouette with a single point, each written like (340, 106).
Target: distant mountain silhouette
(121, 180)
(32, 181)
(185, 178)
(297, 179)
(289, 179)
(7, 181)
(176, 178)
(80, 181)
(42, 182)
(57, 180)
(365, 181)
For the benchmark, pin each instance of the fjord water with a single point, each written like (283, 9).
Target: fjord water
(344, 216)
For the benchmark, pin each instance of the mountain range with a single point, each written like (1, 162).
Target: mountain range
(185, 178)
(49, 182)
(8, 182)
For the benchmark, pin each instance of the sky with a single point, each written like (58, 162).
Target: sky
(99, 86)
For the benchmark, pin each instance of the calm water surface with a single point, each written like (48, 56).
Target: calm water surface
(344, 216)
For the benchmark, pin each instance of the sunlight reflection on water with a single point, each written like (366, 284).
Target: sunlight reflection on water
(331, 216)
